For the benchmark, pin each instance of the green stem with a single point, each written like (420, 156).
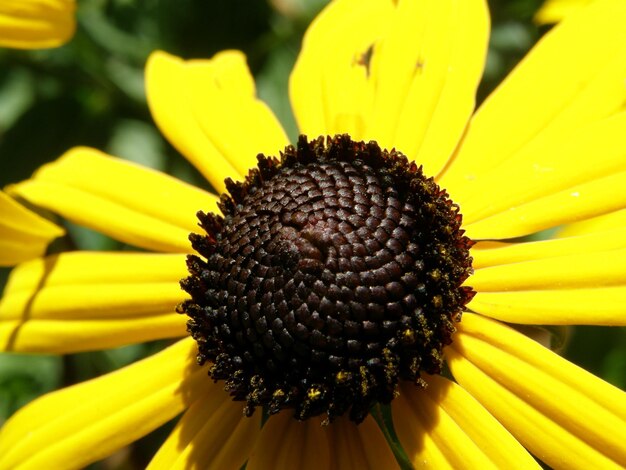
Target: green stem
(385, 423)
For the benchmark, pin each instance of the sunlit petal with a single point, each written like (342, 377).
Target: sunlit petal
(548, 167)
(209, 111)
(404, 74)
(561, 413)
(567, 94)
(424, 77)
(596, 306)
(443, 426)
(564, 281)
(602, 223)
(86, 301)
(86, 422)
(583, 270)
(579, 202)
(329, 83)
(130, 203)
(23, 234)
(486, 254)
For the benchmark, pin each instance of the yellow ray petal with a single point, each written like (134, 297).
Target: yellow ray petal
(23, 234)
(582, 270)
(425, 445)
(577, 203)
(405, 75)
(553, 11)
(596, 306)
(572, 78)
(209, 111)
(170, 101)
(329, 83)
(130, 203)
(486, 254)
(560, 448)
(355, 447)
(228, 111)
(287, 443)
(444, 427)
(36, 24)
(548, 165)
(86, 422)
(601, 223)
(69, 336)
(85, 301)
(94, 285)
(561, 413)
(212, 434)
(424, 77)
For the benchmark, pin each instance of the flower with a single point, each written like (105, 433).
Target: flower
(553, 11)
(24, 235)
(36, 24)
(545, 149)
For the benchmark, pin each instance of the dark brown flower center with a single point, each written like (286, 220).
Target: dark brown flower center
(332, 275)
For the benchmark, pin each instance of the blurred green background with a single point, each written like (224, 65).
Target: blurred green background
(90, 92)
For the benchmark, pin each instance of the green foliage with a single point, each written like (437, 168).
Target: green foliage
(23, 378)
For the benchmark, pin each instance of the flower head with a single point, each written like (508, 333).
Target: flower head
(333, 274)
(382, 79)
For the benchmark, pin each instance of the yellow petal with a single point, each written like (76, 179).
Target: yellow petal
(601, 223)
(212, 434)
(547, 166)
(445, 427)
(595, 306)
(424, 77)
(70, 336)
(355, 447)
(121, 284)
(576, 203)
(573, 78)
(557, 281)
(561, 413)
(86, 422)
(328, 86)
(584, 270)
(287, 443)
(553, 11)
(130, 203)
(68, 303)
(209, 111)
(225, 104)
(486, 254)
(86, 301)
(23, 234)
(36, 24)
(404, 74)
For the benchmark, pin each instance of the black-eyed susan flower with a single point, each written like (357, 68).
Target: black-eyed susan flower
(36, 24)
(332, 279)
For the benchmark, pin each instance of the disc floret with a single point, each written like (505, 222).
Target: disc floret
(332, 274)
